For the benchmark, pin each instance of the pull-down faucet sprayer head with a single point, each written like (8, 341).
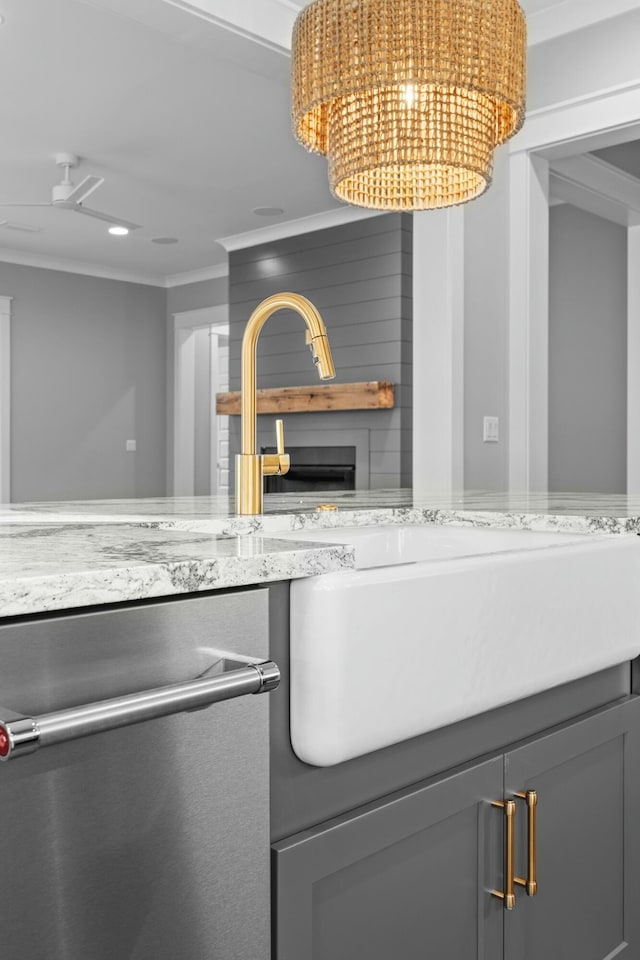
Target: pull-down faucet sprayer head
(321, 353)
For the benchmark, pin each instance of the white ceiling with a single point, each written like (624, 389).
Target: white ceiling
(187, 122)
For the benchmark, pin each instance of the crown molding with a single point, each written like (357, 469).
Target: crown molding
(196, 276)
(600, 177)
(45, 262)
(598, 187)
(294, 228)
(569, 192)
(572, 15)
(555, 128)
(268, 22)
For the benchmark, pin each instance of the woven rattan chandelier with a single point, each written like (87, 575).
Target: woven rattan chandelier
(408, 98)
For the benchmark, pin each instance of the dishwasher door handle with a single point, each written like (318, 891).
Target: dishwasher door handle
(20, 735)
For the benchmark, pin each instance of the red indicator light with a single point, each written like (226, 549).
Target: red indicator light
(5, 743)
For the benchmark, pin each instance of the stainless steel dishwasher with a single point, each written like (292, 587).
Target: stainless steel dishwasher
(128, 840)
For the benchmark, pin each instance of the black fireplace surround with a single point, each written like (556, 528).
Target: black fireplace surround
(315, 468)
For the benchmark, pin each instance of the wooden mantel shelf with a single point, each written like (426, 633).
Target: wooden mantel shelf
(372, 395)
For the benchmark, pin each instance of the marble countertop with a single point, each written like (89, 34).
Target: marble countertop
(63, 555)
(60, 565)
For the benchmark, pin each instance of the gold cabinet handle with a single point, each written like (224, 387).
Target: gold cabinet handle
(531, 883)
(508, 897)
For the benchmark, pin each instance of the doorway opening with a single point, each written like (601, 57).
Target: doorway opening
(559, 157)
(200, 436)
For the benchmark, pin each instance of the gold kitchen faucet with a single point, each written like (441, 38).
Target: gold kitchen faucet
(252, 466)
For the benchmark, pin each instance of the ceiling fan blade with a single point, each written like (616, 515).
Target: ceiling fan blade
(107, 219)
(82, 191)
(9, 225)
(12, 203)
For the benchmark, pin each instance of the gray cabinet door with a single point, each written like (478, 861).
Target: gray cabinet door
(407, 877)
(588, 783)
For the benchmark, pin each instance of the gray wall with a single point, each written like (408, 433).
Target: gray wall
(195, 296)
(587, 352)
(359, 276)
(88, 374)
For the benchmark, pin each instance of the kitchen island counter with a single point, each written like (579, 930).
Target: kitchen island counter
(63, 555)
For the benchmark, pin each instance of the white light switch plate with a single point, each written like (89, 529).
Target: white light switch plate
(491, 430)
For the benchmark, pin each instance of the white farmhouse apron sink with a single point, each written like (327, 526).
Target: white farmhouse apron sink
(439, 623)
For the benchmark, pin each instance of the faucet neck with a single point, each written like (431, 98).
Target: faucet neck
(280, 301)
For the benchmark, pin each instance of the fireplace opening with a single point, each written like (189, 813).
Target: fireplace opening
(315, 468)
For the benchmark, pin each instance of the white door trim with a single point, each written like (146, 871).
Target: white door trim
(568, 128)
(5, 399)
(184, 324)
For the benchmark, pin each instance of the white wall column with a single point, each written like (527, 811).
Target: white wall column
(529, 324)
(184, 413)
(438, 344)
(5, 399)
(633, 361)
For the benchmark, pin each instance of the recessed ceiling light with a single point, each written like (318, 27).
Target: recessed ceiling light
(118, 231)
(268, 211)
(164, 240)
